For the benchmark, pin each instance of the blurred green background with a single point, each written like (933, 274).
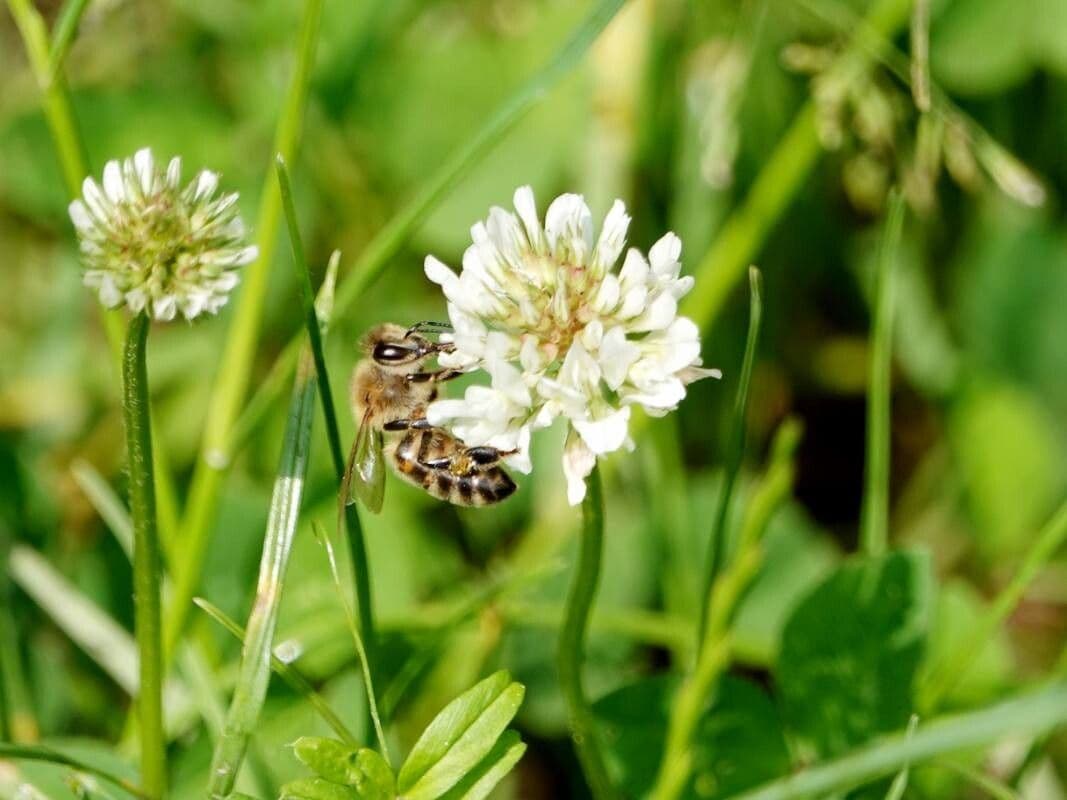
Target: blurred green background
(676, 109)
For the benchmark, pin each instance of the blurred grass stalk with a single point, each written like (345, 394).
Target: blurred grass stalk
(235, 369)
(147, 565)
(256, 653)
(571, 653)
(46, 61)
(50, 756)
(775, 187)
(874, 516)
(696, 692)
(1032, 714)
(735, 453)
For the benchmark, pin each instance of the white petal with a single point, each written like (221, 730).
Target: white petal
(607, 296)
(438, 272)
(664, 395)
(94, 199)
(193, 304)
(612, 237)
(664, 255)
(616, 356)
(569, 228)
(109, 293)
(527, 208)
(578, 462)
(164, 308)
(145, 168)
(634, 271)
(79, 215)
(441, 412)
(661, 312)
(174, 172)
(206, 184)
(633, 303)
(690, 374)
(607, 434)
(136, 300)
(113, 186)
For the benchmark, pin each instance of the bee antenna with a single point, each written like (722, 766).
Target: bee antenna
(429, 326)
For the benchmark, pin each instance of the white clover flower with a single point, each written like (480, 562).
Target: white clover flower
(561, 333)
(153, 246)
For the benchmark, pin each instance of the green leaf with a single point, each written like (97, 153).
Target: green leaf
(480, 781)
(317, 789)
(738, 744)
(851, 649)
(460, 737)
(358, 767)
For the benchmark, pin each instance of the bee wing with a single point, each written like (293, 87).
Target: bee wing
(365, 475)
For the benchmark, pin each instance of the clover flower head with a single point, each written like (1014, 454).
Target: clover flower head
(154, 246)
(562, 333)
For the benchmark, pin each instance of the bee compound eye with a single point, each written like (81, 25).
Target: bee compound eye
(390, 353)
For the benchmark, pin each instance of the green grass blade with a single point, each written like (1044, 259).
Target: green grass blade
(311, 319)
(717, 542)
(361, 650)
(287, 673)
(256, 654)
(920, 54)
(63, 34)
(356, 541)
(1032, 713)
(1048, 542)
(51, 756)
(238, 357)
(900, 782)
(17, 719)
(775, 187)
(874, 517)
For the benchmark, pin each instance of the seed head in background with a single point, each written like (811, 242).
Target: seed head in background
(561, 333)
(153, 246)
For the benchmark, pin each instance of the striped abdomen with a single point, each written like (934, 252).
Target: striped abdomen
(473, 487)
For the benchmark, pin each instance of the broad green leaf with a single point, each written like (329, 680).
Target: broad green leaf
(480, 781)
(851, 649)
(317, 789)
(739, 743)
(459, 737)
(358, 767)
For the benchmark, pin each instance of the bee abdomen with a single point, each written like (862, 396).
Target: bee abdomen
(475, 488)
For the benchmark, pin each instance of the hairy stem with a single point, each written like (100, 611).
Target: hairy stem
(146, 563)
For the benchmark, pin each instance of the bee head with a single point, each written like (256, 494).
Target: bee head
(390, 345)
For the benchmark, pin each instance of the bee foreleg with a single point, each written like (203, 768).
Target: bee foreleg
(419, 424)
(429, 326)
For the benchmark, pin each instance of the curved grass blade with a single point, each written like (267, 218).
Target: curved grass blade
(361, 650)
(63, 34)
(50, 756)
(874, 518)
(254, 675)
(717, 543)
(287, 673)
(1032, 713)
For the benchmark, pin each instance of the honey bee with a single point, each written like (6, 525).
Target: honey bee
(389, 392)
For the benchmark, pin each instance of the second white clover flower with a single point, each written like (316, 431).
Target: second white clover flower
(543, 310)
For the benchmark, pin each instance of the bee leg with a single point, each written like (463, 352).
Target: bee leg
(486, 456)
(419, 424)
(435, 376)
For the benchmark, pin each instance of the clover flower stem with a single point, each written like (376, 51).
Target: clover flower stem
(572, 639)
(146, 561)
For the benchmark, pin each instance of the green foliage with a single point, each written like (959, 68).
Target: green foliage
(739, 743)
(851, 650)
(461, 755)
